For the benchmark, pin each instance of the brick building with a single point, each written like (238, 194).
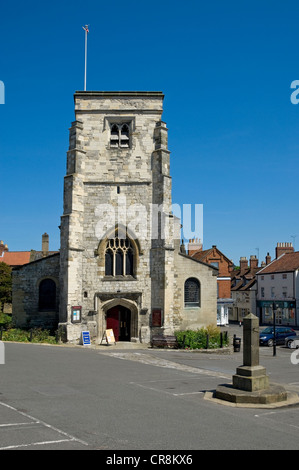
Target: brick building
(214, 257)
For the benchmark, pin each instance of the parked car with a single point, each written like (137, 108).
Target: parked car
(292, 342)
(281, 332)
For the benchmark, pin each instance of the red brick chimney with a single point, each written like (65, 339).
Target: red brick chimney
(268, 259)
(243, 264)
(283, 248)
(254, 262)
(194, 246)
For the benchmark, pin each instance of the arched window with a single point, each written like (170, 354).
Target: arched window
(192, 293)
(119, 257)
(47, 295)
(120, 135)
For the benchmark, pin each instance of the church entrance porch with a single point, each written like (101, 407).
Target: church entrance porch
(119, 313)
(119, 320)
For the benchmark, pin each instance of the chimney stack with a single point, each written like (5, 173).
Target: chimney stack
(281, 248)
(3, 248)
(194, 246)
(243, 264)
(268, 259)
(254, 262)
(45, 244)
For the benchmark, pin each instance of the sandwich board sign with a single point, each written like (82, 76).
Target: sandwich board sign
(110, 336)
(86, 338)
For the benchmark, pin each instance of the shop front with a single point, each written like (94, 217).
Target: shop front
(285, 312)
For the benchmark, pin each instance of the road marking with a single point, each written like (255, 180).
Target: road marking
(165, 391)
(17, 424)
(37, 421)
(151, 388)
(36, 444)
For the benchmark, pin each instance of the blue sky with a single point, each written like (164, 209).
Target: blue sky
(225, 68)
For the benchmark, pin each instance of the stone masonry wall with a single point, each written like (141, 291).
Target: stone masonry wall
(26, 280)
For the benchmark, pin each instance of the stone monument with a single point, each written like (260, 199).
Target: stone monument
(250, 383)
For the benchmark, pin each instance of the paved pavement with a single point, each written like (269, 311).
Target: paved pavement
(112, 399)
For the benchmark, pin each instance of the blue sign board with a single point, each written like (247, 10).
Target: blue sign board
(86, 338)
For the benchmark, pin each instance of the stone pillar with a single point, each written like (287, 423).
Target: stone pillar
(251, 376)
(250, 383)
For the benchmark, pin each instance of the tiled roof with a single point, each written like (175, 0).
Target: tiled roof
(249, 285)
(286, 262)
(200, 254)
(15, 258)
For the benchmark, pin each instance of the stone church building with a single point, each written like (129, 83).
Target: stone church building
(121, 265)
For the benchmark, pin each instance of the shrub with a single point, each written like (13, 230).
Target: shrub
(5, 320)
(35, 335)
(198, 339)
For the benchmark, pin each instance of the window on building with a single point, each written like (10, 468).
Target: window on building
(47, 295)
(215, 264)
(114, 136)
(119, 257)
(272, 276)
(284, 276)
(120, 135)
(284, 292)
(262, 292)
(272, 292)
(192, 293)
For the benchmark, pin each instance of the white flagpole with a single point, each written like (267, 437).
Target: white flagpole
(86, 32)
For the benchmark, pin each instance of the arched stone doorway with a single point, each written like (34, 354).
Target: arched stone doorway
(119, 314)
(119, 320)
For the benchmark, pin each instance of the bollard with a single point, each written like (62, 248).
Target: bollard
(207, 343)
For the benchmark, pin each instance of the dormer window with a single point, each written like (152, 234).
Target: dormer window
(120, 135)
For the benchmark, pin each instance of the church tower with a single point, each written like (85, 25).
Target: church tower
(121, 265)
(118, 234)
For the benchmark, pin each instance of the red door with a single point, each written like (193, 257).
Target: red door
(113, 321)
(119, 320)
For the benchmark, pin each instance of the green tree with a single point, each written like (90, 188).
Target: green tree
(5, 285)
